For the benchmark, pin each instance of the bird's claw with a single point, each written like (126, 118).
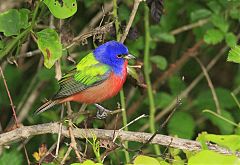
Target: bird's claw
(102, 112)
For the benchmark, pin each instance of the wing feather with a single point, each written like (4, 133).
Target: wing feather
(89, 72)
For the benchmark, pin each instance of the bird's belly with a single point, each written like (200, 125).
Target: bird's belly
(101, 92)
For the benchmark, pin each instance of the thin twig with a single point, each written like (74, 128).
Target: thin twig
(139, 117)
(73, 143)
(210, 84)
(132, 16)
(235, 99)
(59, 132)
(189, 26)
(10, 98)
(221, 117)
(66, 155)
(13, 110)
(26, 154)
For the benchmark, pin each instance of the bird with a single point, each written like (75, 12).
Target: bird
(99, 76)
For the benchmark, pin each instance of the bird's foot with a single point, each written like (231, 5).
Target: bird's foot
(102, 112)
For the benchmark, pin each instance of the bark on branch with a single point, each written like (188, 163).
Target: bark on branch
(52, 128)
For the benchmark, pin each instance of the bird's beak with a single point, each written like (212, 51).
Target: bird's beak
(129, 56)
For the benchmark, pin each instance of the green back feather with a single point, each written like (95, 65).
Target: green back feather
(88, 72)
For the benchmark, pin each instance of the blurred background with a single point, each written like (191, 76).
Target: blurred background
(186, 67)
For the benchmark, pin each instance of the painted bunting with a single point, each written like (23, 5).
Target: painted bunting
(99, 76)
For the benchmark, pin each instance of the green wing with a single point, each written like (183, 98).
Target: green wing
(88, 72)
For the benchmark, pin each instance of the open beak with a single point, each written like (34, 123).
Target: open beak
(129, 56)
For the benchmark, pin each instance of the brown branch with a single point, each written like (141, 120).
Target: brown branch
(52, 128)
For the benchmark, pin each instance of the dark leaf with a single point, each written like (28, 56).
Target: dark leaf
(156, 7)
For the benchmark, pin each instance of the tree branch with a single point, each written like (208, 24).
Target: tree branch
(52, 128)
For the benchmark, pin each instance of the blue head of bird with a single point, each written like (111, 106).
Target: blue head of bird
(113, 54)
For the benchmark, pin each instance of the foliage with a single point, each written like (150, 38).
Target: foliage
(210, 157)
(164, 36)
(13, 21)
(87, 162)
(228, 141)
(62, 9)
(50, 45)
(11, 157)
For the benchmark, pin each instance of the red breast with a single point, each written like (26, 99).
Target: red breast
(101, 92)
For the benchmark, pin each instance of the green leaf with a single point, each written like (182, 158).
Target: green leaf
(220, 22)
(24, 18)
(12, 21)
(136, 46)
(162, 99)
(62, 10)
(89, 3)
(214, 6)
(50, 45)
(145, 160)
(11, 157)
(201, 138)
(199, 14)
(176, 85)
(205, 99)
(234, 54)
(231, 39)
(124, 12)
(166, 37)
(87, 162)
(46, 74)
(234, 13)
(225, 127)
(211, 157)
(228, 141)
(185, 129)
(160, 61)
(213, 36)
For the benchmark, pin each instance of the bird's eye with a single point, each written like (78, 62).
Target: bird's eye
(120, 56)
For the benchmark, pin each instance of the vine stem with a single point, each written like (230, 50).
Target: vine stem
(122, 97)
(147, 77)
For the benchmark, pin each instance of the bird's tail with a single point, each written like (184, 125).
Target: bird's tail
(46, 106)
